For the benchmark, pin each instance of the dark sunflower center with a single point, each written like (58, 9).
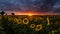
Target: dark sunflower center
(19, 21)
(32, 25)
(38, 27)
(25, 20)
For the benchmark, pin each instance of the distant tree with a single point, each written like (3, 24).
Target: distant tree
(2, 13)
(13, 14)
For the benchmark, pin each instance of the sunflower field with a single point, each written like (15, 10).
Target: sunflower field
(24, 24)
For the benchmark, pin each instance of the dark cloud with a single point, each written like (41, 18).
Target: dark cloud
(35, 5)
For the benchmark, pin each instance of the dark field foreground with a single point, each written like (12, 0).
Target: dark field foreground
(24, 24)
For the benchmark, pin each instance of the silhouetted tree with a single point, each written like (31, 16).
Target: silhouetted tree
(2, 13)
(8, 29)
(13, 14)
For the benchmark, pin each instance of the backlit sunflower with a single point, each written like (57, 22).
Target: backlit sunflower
(19, 21)
(25, 21)
(15, 19)
(35, 18)
(48, 22)
(20, 17)
(53, 31)
(10, 18)
(32, 26)
(38, 27)
(41, 18)
(31, 18)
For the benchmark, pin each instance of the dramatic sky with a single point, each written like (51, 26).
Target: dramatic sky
(33, 6)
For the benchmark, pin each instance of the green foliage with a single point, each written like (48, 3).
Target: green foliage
(9, 26)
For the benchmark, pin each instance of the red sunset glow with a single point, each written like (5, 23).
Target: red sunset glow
(30, 13)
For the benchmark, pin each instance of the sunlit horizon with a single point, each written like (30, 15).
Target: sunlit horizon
(33, 13)
(29, 13)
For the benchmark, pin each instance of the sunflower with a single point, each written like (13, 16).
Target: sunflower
(25, 21)
(32, 26)
(35, 18)
(48, 22)
(40, 18)
(38, 27)
(52, 31)
(31, 18)
(20, 17)
(19, 21)
(10, 18)
(15, 20)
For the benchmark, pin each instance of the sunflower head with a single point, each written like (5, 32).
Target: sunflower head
(31, 18)
(38, 27)
(52, 31)
(36, 19)
(10, 18)
(15, 20)
(32, 26)
(41, 18)
(20, 17)
(48, 21)
(19, 21)
(25, 21)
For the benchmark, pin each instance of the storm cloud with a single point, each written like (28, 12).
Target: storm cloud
(35, 5)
